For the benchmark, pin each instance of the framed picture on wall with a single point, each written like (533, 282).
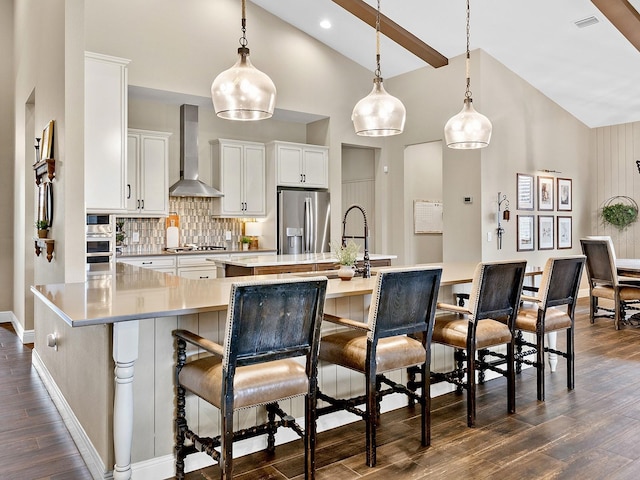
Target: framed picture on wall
(564, 195)
(546, 232)
(46, 151)
(525, 193)
(525, 232)
(545, 193)
(564, 232)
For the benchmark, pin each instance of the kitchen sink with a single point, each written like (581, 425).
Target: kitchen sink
(326, 273)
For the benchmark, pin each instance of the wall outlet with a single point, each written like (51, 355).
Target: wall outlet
(135, 237)
(488, 236)
(227, 235)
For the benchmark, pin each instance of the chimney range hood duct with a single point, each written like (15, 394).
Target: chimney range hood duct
(189, 185)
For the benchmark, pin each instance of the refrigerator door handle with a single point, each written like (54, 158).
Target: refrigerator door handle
(308, 223)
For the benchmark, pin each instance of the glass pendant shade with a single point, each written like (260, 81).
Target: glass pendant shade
(468, 129)
(378, 114)
(243, 92)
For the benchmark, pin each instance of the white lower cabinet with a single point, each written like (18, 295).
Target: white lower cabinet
(196, 267)
(166, 264)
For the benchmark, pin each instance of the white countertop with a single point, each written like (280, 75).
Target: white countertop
(280, 260)
(138, 293)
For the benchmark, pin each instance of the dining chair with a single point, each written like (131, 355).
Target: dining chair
(403, 305)
(271, 326)
(551, 310)
(487, 321)
(604, 281)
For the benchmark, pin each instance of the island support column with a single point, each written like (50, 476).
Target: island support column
(125, 353)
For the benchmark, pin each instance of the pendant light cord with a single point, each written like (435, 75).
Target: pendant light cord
(467, 93)
(243, 39)
(378, 73)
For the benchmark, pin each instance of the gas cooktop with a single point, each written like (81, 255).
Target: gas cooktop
(196, 248)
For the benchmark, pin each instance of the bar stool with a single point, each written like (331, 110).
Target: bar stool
(403, 303)
(271, 325)
(487, 321)
(542, 314)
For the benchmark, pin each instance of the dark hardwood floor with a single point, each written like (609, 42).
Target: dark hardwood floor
(34, 443)
(591, 432)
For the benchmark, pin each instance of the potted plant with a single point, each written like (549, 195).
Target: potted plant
(346, 256)
(43, 228)
(245, 243)
(620, 212)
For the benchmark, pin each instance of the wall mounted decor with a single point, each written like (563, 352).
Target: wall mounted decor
(565, 195)
(546, 232)
(525, 191)
(525, 233)
(564, 232)
(46, 151)
(545, 193)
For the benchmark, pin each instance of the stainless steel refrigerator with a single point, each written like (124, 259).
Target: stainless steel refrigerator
(304, 221)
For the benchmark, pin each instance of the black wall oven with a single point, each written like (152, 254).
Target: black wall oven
(100, 244)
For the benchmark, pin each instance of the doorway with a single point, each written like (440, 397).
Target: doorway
(423, 182)
(358, 187)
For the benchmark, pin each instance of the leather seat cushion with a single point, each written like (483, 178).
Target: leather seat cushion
(349, 349)
(253, 384)
(451, 329)
(554, 319)
(626, 293)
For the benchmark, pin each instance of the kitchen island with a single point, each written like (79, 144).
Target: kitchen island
(124, 323)
(235, 266)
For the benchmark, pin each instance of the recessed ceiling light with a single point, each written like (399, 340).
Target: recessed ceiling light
(326, 24)
(585, 22)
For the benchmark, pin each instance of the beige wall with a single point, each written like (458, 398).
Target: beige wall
(6, 155)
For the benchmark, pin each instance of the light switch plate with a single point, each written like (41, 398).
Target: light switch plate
(227, 235)
(135, 237)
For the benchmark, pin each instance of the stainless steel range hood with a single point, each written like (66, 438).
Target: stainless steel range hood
(189, 185)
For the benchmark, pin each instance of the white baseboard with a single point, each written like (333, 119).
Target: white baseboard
(87, 451)
(25, 336)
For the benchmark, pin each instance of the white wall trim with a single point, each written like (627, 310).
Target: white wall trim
(87, 451)
(25, 336)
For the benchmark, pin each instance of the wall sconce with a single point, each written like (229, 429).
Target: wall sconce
(506, 215)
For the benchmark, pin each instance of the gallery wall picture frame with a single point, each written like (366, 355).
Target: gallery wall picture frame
(564, 232)
(546, 232)
(46, 150)
(545, 193)
(525, 234)
(565, 194)
(525, 191)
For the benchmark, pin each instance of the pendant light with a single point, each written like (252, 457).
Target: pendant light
(378, 114)
(243, 92)
(468, 129)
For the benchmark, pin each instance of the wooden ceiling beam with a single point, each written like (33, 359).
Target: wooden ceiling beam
(623, 16)
(395, 32)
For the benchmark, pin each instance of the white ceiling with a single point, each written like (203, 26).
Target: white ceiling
(592, 72)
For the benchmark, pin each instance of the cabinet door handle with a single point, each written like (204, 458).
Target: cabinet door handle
(147, 263)
(142, 204)
(138, 204)
(304, 178)
(301, 178)
(204, 276)
(128, 191)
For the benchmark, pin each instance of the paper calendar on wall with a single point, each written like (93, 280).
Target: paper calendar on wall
(427, 216)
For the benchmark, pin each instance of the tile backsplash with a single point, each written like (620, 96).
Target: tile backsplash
(197, 226)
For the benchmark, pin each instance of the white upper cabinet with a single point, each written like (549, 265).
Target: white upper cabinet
(147, 189)
(105, 133)
(301, 165)
(238, 170)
